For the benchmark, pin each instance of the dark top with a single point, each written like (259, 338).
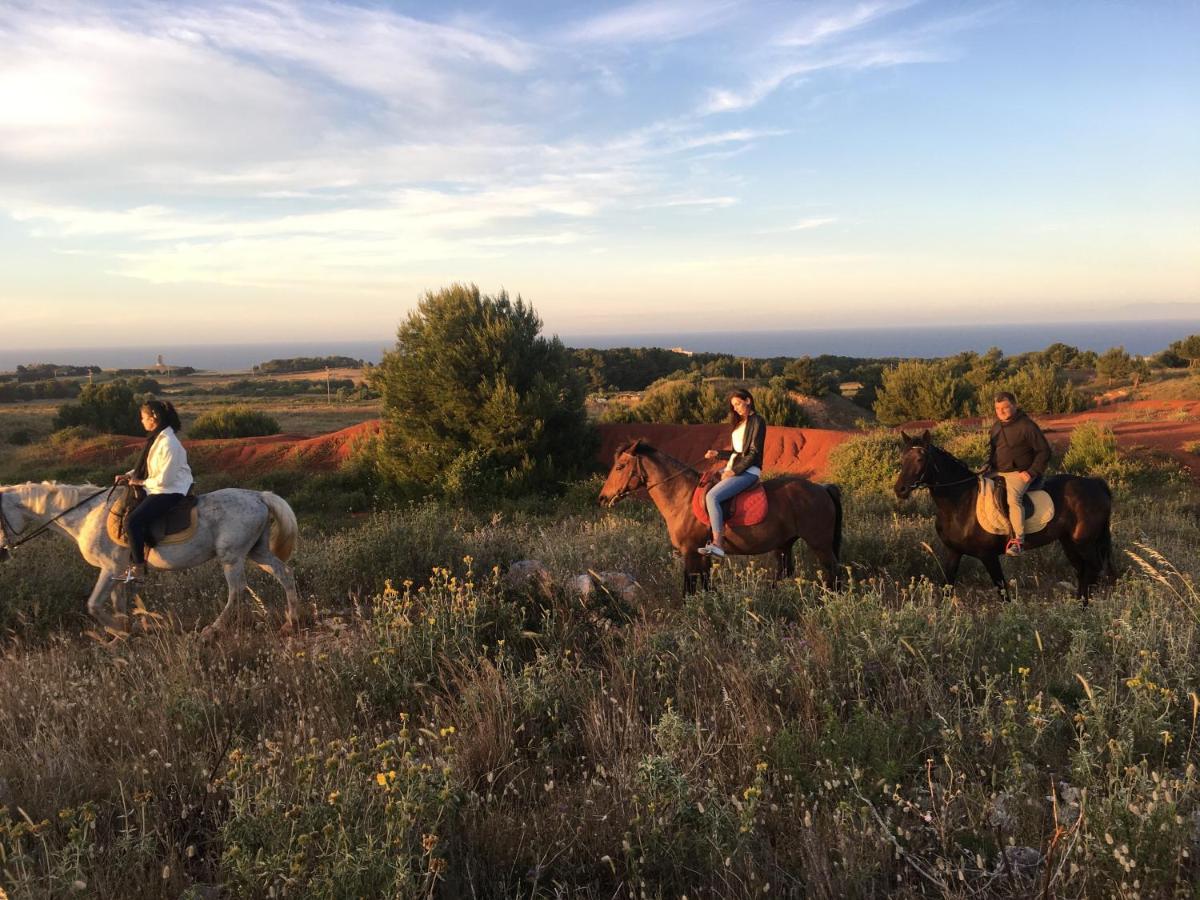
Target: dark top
(752, 443)
(1018, 446)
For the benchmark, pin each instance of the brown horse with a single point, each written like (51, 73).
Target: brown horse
(1082, 510)
(798, 509)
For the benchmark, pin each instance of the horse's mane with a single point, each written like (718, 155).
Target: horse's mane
(943, 455)
(646, 449)
(35, 494)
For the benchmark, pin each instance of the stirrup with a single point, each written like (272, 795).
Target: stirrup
(133, 575)
(1014, 547)
(711, 549)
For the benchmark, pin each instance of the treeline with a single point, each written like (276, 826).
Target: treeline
(47, 372)
(637, 368)
(15, 391)
(344, 388)
(308, 364)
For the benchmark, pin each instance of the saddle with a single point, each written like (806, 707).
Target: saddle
(176, 527)
(991, 508)
(747, 508)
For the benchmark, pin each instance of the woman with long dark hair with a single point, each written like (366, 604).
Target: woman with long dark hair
(744, 466)
(162, 474)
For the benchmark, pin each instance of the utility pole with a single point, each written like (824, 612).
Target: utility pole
(743, 370)
(328, 389)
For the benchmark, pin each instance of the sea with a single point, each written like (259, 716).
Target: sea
(1138, 338)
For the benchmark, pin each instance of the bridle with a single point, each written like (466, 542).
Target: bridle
(923, 478)
(11, 539)
(639, 472)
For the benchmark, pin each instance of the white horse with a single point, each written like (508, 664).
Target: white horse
(233, 525)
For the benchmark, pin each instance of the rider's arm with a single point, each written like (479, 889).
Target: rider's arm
(752, 446)
(1041, 455)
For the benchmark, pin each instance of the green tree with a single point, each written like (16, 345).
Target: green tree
(475, 399)
(111, 407)
(1114, 363)
(1189, 349)
(777, 407)
(915, 389)
(803, 376)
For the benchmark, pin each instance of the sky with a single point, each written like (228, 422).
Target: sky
(253, 171)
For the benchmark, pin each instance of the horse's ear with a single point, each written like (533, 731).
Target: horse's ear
(904, 437)
(925, 438)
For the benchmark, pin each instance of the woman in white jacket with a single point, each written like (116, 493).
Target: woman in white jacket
(162, 472)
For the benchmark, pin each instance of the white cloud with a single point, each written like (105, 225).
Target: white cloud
(652, 21)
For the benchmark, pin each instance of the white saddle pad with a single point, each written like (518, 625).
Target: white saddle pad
(987, 510)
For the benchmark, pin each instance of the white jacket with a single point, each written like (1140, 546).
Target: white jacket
(167, 470)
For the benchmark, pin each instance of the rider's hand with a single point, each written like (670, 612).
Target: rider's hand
(121, 479)
(710, 454)
(728, 473)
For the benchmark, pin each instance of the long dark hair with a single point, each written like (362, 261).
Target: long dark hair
(741, 394)
(164, 414)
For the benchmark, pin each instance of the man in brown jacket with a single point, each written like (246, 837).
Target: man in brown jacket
(1019, 453)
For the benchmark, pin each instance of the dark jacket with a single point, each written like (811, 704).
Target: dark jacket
(1018, 446)
(753, 440)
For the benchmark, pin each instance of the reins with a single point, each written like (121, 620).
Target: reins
(6, 528)
(922, 483)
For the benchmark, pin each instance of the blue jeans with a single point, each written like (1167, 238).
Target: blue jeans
(730, 487)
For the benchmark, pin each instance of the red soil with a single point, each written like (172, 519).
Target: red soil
(1157, 425)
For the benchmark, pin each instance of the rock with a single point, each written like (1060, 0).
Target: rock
(620, 585)
(1023, 861)
(529, 574)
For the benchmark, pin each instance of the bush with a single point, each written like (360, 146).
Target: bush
(20, 438)
(1039, 388)
(470, 375)
(233, 422)
(690, 402)
(111, 408)
(914, 390)
(867, 464)
(777, 407)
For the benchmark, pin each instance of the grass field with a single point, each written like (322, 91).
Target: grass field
(439, 733)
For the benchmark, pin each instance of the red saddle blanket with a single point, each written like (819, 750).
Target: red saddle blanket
(749, 507)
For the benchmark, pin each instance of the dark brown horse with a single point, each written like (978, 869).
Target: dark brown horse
(798, 509)
(1082, 510)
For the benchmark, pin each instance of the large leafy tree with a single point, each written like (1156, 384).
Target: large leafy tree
(475, 399)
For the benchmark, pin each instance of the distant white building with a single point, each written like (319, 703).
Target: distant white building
(682, 351)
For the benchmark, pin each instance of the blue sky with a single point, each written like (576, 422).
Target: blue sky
(277, 170)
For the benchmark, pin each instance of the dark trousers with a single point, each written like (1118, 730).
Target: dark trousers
(154, 507)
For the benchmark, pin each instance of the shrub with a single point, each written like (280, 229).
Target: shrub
(110, 407)
(868, 463)
(20, 438)
(777, 407)
(233, 422)
(688, 402)
(470, 374)
(915, 389)
(1039, 388)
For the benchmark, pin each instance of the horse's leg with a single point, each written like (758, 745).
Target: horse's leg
(95, 603)
(270, 563)
(1079, 563)
(785, 560)
(695, 571)
(828, 562)
(991, 562)
(950, 563)
(235, 579)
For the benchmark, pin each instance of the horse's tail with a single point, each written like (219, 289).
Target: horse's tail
(835, 494)
(284, 529)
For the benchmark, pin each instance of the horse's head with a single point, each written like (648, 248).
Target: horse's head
(914, 464)
(627, 473)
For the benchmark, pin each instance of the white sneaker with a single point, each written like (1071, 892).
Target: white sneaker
(711, 549)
